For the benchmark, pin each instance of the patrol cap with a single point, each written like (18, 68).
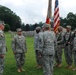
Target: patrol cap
(68, 26)
(38, 28)
(19, 29)
(45, 25)
(2, 23)
(60, 27)
(75, 30)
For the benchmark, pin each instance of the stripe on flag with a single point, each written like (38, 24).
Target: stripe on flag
(56, 16)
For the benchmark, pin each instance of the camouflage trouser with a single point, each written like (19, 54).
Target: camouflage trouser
(1, 65)
(48, 64)
(20, 59)
(68, 55)
(38, 59)
(74, 56)
(58, 54)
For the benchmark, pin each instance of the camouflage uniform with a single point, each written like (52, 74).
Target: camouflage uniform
(40, 45)
(48, 52)
(67, 48)
(73, 38)
(19, 47)
(74, 49)
(2, 51)
(37, 49)
(58, 52)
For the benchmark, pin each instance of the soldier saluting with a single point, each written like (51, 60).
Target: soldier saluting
(19, 49)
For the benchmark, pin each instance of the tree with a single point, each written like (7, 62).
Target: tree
(10, 18)
(27, 27)
(7, 27)
(71, 20)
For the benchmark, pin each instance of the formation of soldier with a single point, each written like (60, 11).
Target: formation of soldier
(48, 48)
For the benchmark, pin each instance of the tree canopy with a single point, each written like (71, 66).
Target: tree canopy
(10, 18)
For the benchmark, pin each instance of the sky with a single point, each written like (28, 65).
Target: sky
(35, 11)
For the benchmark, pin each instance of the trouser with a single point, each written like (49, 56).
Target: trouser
(74, 56)
(58, 54)
(68, 55)
(1, 65)
(20, 59)
(48, 64)
(38, 59)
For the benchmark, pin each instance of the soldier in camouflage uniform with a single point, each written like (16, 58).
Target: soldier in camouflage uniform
(58, 52)
(74, 48)
(2, 48)
(40, 39)
(37, 47)
(19, 49)
(67, 47)
(48, 51)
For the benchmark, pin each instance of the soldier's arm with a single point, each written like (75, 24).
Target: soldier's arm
(35, 42)
(2, 46)
(25, 45)
(14, 45)
(55, 40)
(60, 41)
(40, 38)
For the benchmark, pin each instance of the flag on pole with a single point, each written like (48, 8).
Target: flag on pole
(56, 16)
(49, 12)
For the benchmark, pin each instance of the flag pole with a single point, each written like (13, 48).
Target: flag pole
(49, 12)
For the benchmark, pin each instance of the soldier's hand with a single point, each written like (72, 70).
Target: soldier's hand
(68, 42)
(2, 56)
(40, 56)
(15, 53)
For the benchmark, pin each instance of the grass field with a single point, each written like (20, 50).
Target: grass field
(30, 62)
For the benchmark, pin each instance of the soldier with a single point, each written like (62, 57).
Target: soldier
(58, 52)
(48, 51)
(19, 49)
(67, 47)
(40, 38)
(2, 48)
(74, 48)
(36, 47)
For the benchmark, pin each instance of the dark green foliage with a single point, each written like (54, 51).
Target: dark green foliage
(9, 17)
(7, 28)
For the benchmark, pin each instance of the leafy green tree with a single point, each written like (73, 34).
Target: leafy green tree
(71, 19)
(7, 27)
(9, 17)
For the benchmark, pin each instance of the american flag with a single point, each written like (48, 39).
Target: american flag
(56, 16)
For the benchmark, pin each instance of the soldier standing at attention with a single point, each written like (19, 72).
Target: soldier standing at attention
(2, 48)
(19, 49)
(74, 48)
(67, 47)
(37, 47)
(58, 51)
(48, 51)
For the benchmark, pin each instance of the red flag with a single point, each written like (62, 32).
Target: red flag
(56, 16)
(49, 12)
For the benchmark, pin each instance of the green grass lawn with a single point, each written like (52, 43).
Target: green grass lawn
(30, 62)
